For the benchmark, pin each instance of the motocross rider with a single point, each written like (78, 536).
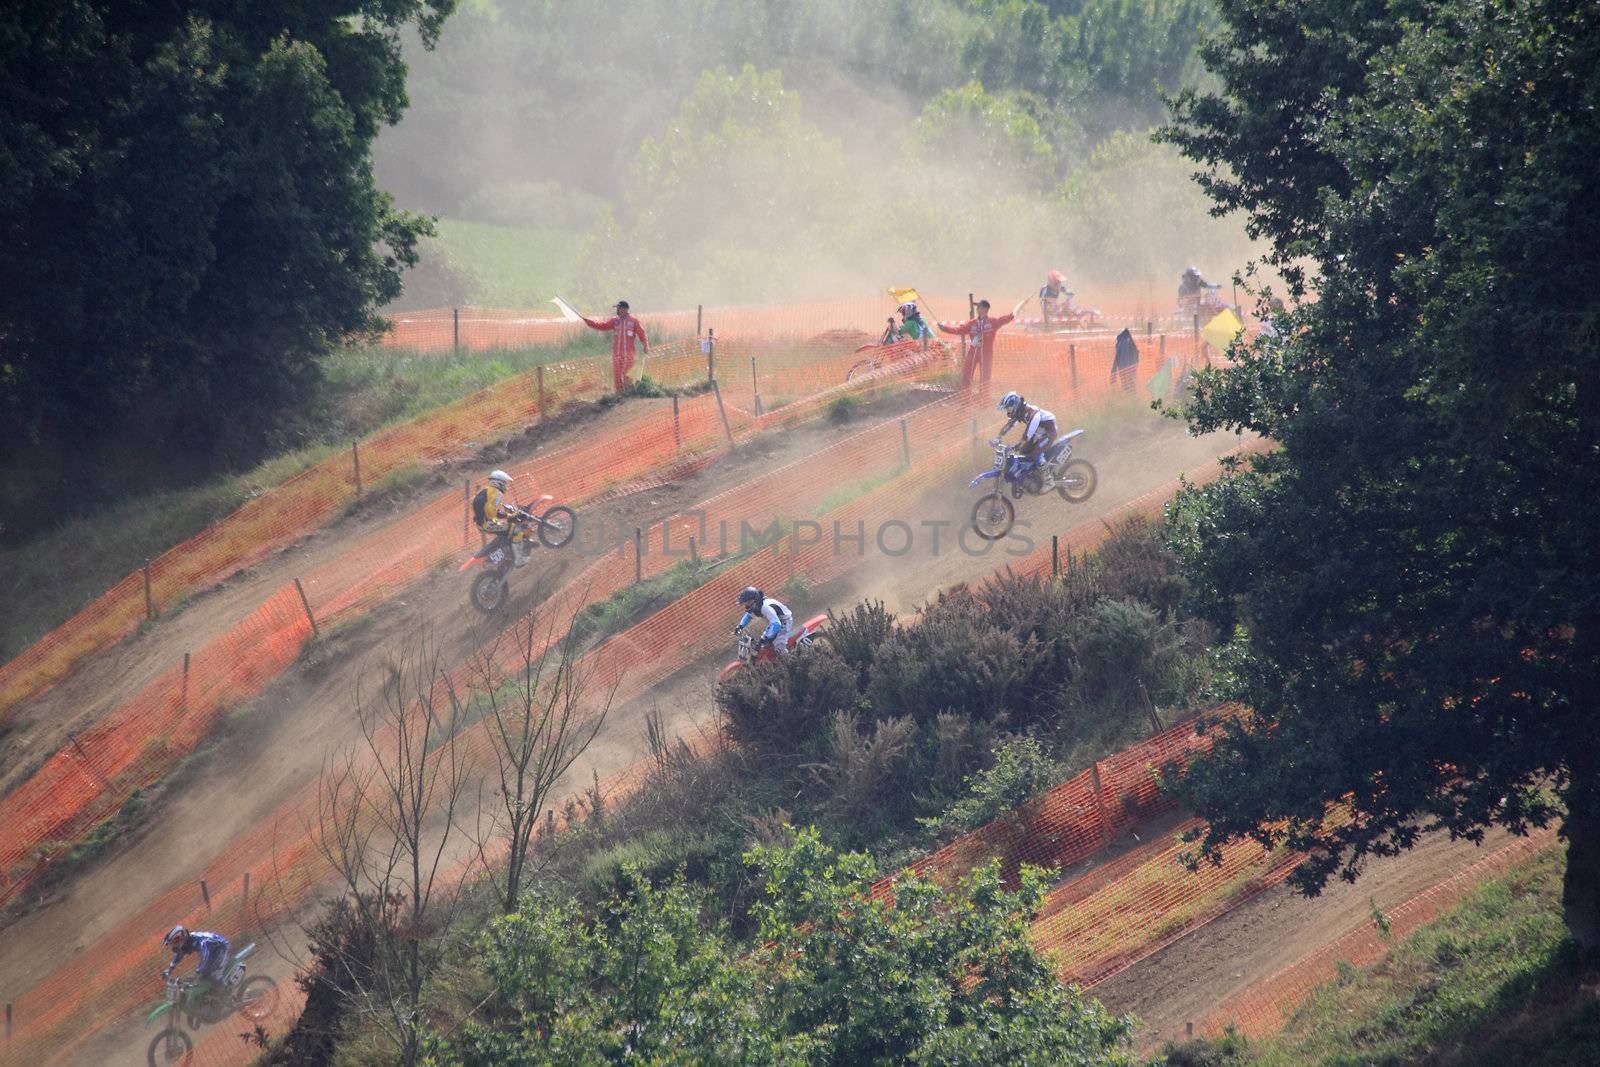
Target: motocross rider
(213, 949)
(1038, 433)
(912, 325)
(492, 512)
(1053, 296)
(780, 620)
(1192, 286)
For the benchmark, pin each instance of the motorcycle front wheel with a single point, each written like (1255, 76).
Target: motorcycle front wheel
(171, 1048)
(861, 367)
(992, 517)
(258, 998)
(489, 591)
(557, 525)
(1077, 481)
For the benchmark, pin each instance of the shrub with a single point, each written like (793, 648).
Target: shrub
(951, 661)
(862, 765)
(857, 635)
(843, 408)
(783, 707)
(1114, 652)
(1229, 1050)
(1135, 563)
(1021, 771)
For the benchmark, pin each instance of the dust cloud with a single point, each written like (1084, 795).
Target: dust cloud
(719, 152)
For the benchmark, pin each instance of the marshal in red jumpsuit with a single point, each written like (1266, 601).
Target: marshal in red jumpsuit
(624, 329)
(981, 348)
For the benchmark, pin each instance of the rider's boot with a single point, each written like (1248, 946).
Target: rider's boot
(520, 553)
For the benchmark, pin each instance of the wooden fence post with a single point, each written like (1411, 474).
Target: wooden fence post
(1055, 556)
(638, 555)
(711, 355)
(755, 387)
(307, 605)
(538, 373)
(1197, 326)
(677, 426)
(1149, 706)
(1149, 327)
(1163, 344)
(205, 894)
(699, 319)
(455, 330)
(1100, 801)
(355, 460)
(466, 509)
(149, 601)
(694, 555)
(8, 1022)
(183, 697)
(717, 389)
(905, 444)
(244, 904)
(1072, 364)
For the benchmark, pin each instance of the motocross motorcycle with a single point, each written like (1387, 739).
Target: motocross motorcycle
(751, 650)
(554, 528)
(254, 998)
(1062, 313)
(1207, 301)
(1073, 479)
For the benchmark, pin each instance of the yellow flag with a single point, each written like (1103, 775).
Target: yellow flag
(904, 296)
(1220, 331)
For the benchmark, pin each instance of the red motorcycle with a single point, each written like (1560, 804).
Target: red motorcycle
(749, 650)
(555, 527)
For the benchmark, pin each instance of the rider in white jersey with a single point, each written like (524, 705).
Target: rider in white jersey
(1039, 427)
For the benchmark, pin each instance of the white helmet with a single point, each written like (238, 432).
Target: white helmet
(500, 480)
(1011, 403)
(908, 308)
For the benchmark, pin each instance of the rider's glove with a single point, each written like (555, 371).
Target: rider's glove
(166, 974)
(994, 442)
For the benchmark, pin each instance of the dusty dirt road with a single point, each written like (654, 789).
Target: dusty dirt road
(1187, 979)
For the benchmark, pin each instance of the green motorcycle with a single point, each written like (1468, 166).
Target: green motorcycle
(255, 998)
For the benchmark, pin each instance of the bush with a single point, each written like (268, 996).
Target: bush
(784, 707)
(1135, 563)
(863, 766)
(657, 856)
(1114, 652)
(951, 661)
(844, 408)
(858, 635)
(1021, 771)
(1229, 1050)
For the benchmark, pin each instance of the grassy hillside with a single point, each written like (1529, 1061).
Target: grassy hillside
(509, 266)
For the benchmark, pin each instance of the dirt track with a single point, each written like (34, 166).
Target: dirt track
(110, 678)
(305, 715)
(1187, 979)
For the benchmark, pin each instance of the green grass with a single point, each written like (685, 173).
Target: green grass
(1494, 982)
(510, 266)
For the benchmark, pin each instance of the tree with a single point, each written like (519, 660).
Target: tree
(386, 819)
(1410, 574)
(933, 976)
(538, 725)
(188, 219)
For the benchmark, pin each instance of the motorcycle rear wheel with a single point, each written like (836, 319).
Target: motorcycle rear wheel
(556, 526)
(488, 593)
(861, 367)
(171, 1048)
(992, 517)
(258, 998)
(1077, 481)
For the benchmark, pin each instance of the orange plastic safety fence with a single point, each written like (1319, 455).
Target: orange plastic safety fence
(1264, 1007)
(689, 628)
(667, 442)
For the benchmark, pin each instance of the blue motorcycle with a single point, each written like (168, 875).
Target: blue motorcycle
(1074, 479)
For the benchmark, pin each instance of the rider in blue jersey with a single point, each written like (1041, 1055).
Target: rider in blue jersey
(213, 949)
(780, 620)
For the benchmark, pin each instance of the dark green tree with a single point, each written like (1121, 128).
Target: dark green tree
(1411, 574)
(931, 977)
(188, 219)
